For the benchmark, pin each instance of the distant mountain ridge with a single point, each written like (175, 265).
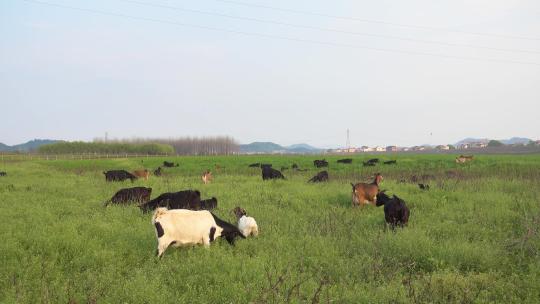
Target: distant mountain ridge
(28, 146)
(270, 147)
(511, 141)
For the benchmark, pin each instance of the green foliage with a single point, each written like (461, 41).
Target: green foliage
(103, 148)
(474, 237)
(495, 143)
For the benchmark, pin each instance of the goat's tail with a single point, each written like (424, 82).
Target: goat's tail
(159, 212)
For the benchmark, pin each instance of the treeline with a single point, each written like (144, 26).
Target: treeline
(216, 145)
(106, 148)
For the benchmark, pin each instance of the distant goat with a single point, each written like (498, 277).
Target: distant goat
(320, 177)
(2, 173)
(209, 204)
(125, 196)
(246, 224)
(395, 210)
(423, 186)
(157, 172)
(390, 162)
(169, 164)
(142, 173)
(118, 176)
(368, 164)
(206, 177)
(363, 193)
(269, 173)
(320, 163)
(345, 161)
(464, 158)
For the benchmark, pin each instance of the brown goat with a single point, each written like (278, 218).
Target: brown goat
(206, 177)
(142, 173)
(363, 193)
(464, 158)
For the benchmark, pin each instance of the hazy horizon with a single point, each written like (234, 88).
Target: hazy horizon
(391, 72)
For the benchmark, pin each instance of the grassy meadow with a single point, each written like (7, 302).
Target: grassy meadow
(472, 238)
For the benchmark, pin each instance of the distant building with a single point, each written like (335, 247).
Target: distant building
(442, 147)
(391, 149)
(379, 149)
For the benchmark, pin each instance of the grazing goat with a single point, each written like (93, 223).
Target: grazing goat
(320, 177)
(294, 166)
(246, 224)
(187, 199)
(169, 164)
(423, 186)
(464, 158)
(118, 176)
(136, 194)
(368, 164)
(182, 227)
(2, 173)
(320, 163)
(206, 177)
(157, 172)
(142, 173)
(209, 204)
(345, 161)
(269, 173)
(390, 162)
(363, 193)
(395, 210)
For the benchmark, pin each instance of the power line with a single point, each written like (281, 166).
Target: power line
(268, 36)
(422, 27)
(326, 29)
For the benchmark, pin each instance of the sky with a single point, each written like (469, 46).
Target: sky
(392, 72)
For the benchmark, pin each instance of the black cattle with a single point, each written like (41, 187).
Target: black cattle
(158, 171)
(255, 165)
(423, 186)
(118, 176)
(136, 194)
(368, 164)
(187, 199)
(320, 163)
(345, 161)
(294, 166)
(266, 165)
(209, 204)
(269, 173)
(2, 173)
(395, 210)
(373, 160)
(320, 177)
(390, 162)
(169, 164)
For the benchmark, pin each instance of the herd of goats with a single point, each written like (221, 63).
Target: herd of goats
(183, 218)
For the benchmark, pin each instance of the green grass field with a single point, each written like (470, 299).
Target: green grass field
(473, 238)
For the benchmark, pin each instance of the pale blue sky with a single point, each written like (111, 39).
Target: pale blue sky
(72, 74)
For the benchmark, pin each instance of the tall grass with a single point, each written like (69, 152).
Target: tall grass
(473, 238)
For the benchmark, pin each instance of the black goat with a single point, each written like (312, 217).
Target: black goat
(395, 210)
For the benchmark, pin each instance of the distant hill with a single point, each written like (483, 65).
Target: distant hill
(511, 141)
(28, 146)
(270, 147)
(515, 140)
(469, 140)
